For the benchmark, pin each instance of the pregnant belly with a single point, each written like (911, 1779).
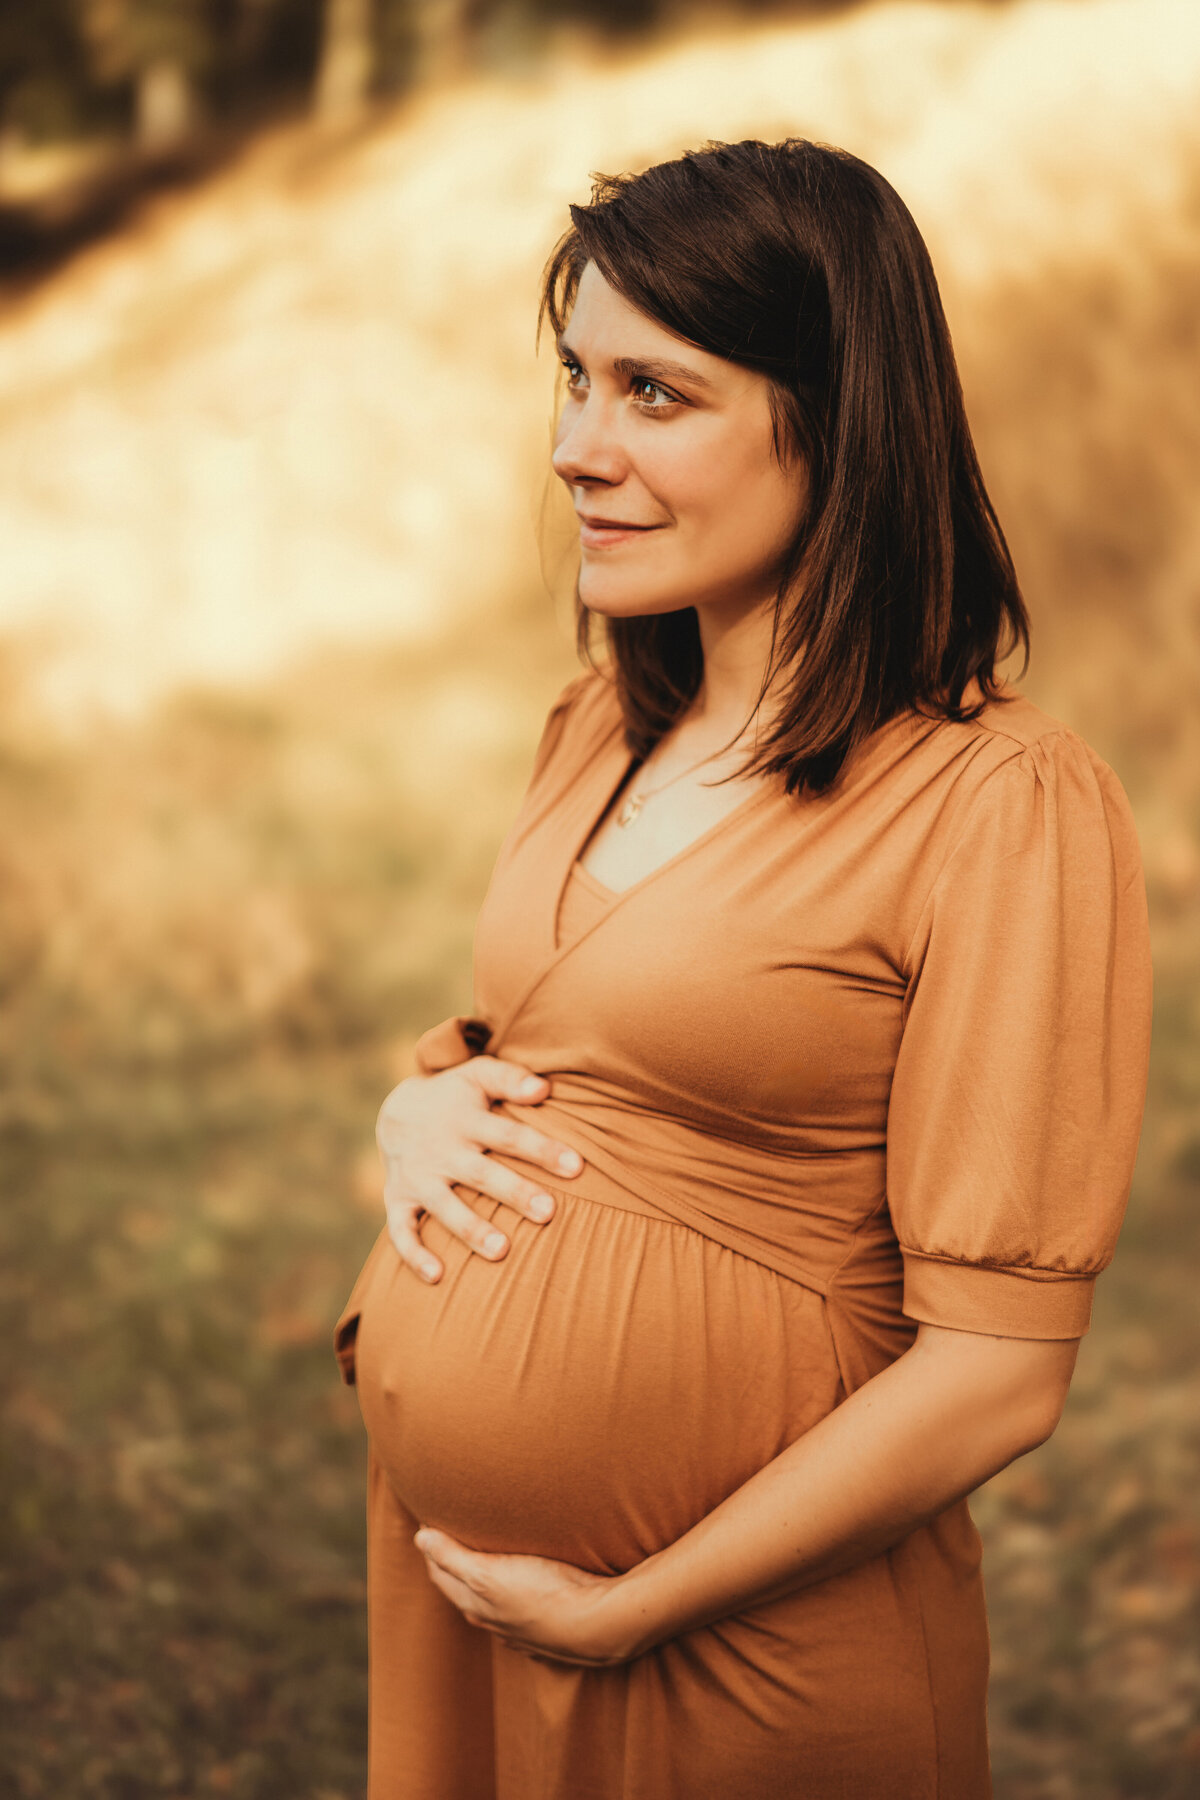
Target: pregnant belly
(593, 1395)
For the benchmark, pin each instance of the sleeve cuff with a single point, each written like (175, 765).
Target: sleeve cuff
(1033, 1303)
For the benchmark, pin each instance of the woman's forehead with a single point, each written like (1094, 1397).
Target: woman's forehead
(605, 327)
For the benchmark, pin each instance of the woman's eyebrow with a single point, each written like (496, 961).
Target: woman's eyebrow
(653, 366)
(657, 368)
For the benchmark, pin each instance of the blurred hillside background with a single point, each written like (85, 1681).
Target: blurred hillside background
(274, 652)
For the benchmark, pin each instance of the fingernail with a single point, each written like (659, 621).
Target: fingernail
(570, 1161)
(541, 1206)
(531, 1086)
(493, 1243)
(429, 1268)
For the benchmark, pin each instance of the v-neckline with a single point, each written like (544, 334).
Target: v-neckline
(626, 762)
(552, 953)
(596, 813)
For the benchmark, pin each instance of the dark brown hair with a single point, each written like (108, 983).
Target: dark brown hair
(802, 262)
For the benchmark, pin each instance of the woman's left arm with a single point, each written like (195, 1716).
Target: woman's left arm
(946, 1416)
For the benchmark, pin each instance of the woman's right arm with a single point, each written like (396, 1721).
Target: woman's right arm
(437, 1129)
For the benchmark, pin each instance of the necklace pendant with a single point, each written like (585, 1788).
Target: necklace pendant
(630, 810)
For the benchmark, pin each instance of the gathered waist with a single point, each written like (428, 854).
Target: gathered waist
(804, 1232)
(806, 1211)
(595, 1181)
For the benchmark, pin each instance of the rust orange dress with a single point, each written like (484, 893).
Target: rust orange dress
(842, 1064)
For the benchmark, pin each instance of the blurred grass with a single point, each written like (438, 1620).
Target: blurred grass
(188, 1166)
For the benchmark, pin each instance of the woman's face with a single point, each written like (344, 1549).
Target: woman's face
(667, 452)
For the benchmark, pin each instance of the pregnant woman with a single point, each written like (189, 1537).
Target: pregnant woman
(824, 953)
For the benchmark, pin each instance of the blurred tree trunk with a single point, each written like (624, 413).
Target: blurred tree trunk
(165, 47)
(443, 33)
(166, 103)
(346, 65)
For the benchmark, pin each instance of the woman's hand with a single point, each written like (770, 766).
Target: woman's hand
(434, 1130)
(531, 1603)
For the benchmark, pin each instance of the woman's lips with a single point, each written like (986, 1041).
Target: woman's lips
(600, 533)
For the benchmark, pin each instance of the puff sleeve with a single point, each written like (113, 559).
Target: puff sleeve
(1018, 1090)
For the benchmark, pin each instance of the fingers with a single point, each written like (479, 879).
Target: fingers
(459, 1593)
(458, 1574)
(404, 1216)
(439, 1133)
(501, 1080)
(482, 1172)
(402, 1229)
(440, 1548)
(525, 1141)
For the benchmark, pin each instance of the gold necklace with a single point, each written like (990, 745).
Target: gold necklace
(635, 801)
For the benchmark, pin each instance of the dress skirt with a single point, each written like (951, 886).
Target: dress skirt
(590, 1398)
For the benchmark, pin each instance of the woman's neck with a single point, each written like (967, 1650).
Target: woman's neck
(736, 645)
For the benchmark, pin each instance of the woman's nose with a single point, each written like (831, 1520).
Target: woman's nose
(585, 448)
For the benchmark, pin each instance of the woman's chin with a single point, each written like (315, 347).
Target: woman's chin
(626, 599)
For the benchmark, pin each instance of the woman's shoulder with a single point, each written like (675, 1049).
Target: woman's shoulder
(1012, 724)
(587, 709)
(1019, 774)
(1034, 746)
(585, 712)
(1012, 784)
(586, 694)
(1012, 742)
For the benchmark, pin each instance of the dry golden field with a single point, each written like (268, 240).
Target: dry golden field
(274, 651)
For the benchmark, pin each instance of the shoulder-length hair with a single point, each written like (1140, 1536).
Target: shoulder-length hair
(802, 262)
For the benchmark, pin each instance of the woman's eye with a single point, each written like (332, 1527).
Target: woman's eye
(645, 390)
(574, 371)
